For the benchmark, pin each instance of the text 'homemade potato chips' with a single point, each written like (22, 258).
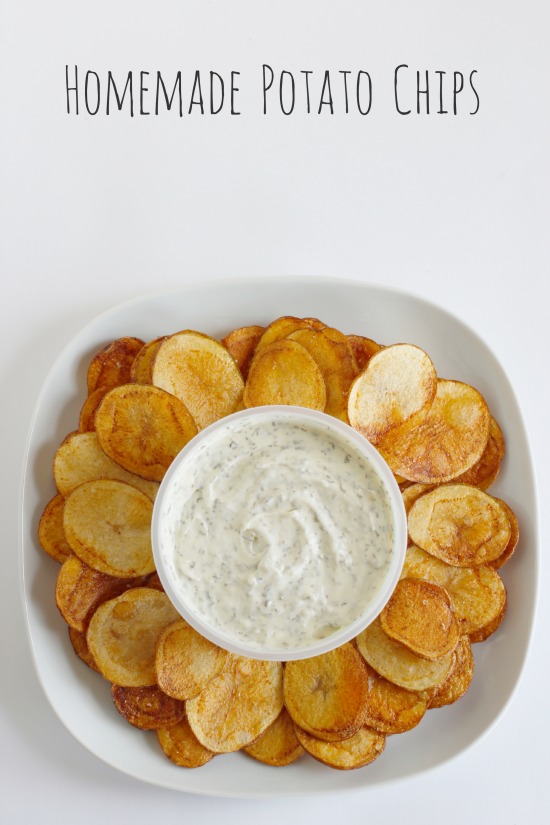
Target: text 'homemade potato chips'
(144, 400)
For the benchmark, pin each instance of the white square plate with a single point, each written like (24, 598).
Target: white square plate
(81, 698)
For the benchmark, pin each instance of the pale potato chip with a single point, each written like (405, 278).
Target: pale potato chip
(278, 745)
(200, 372)
(420, 616)
(326, 695)
(143, 428)
(477, 594)
(355, 752)
(448, 441)
(459, 524)
(396, 387)
(112, 365)
(398, 664)
(108, 525)
(186, 661)
(80, 459)
(238, 705)
(147, 707)
(51, 534)
(182, 747)
(285, 373)
(123, 634)
(413, 492)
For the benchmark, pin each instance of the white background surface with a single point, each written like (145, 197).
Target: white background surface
(97, 210)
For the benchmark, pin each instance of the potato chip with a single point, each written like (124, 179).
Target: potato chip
(123, 634)
(111, 366)
(285, 373)
(241, 343)
(182, 747)
(485, 471)
(326, 695)
(391, 709)
(80, 647)
(363, 349)
(413, 492)
(186, 661)
(483, 633)
(147, 707)
(278, 745)
(238, 705)
(200, 372)
(448, 441)
(477, 594)
(143, 428)
(359, 750)
(459, 680)
(335, 360)
(314, 323)
(80, 590)
(86, 421)
(459, 524)
(281, 328)
(398, 664)
(80, 459)
(512, 541)
(142, 366)
(108, 526)
(396, 387)
(419, 615)
(51, 534)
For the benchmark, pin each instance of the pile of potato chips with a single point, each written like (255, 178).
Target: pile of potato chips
(145, 402)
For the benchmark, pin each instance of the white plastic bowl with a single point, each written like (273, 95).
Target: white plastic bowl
(163, 546)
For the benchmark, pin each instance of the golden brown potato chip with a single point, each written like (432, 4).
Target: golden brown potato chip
(108, 526)
(111, 366)
(86, 421)
(420, 616)
(335, 360)
(314, 323)
(359, 750)
(363, 349)
(281, 328)
(200, 372)
(182, 747)
(147, 707)
(447, 442)
(484, 471)
(278, 745)
(238, 705)
(396, 387)
(392, 709)
(80, 459)
(241, 343)
(488, 629)
(140, 372)
(80, 647)
(477, 594)
(512, 541)
(51, 534)
(398, 664)
(284, 373)
(458, 682)
(459, 524)
(326, 695)
(123, 634)
(143, 428)
(186, 661)
(80, 590)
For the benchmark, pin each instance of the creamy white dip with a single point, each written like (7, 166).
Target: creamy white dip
(277, 532)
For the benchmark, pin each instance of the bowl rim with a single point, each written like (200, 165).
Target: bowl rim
(364, 448)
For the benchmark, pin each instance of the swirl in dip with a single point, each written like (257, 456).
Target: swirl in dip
(275, 530)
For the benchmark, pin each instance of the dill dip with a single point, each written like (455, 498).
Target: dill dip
(275, 532)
